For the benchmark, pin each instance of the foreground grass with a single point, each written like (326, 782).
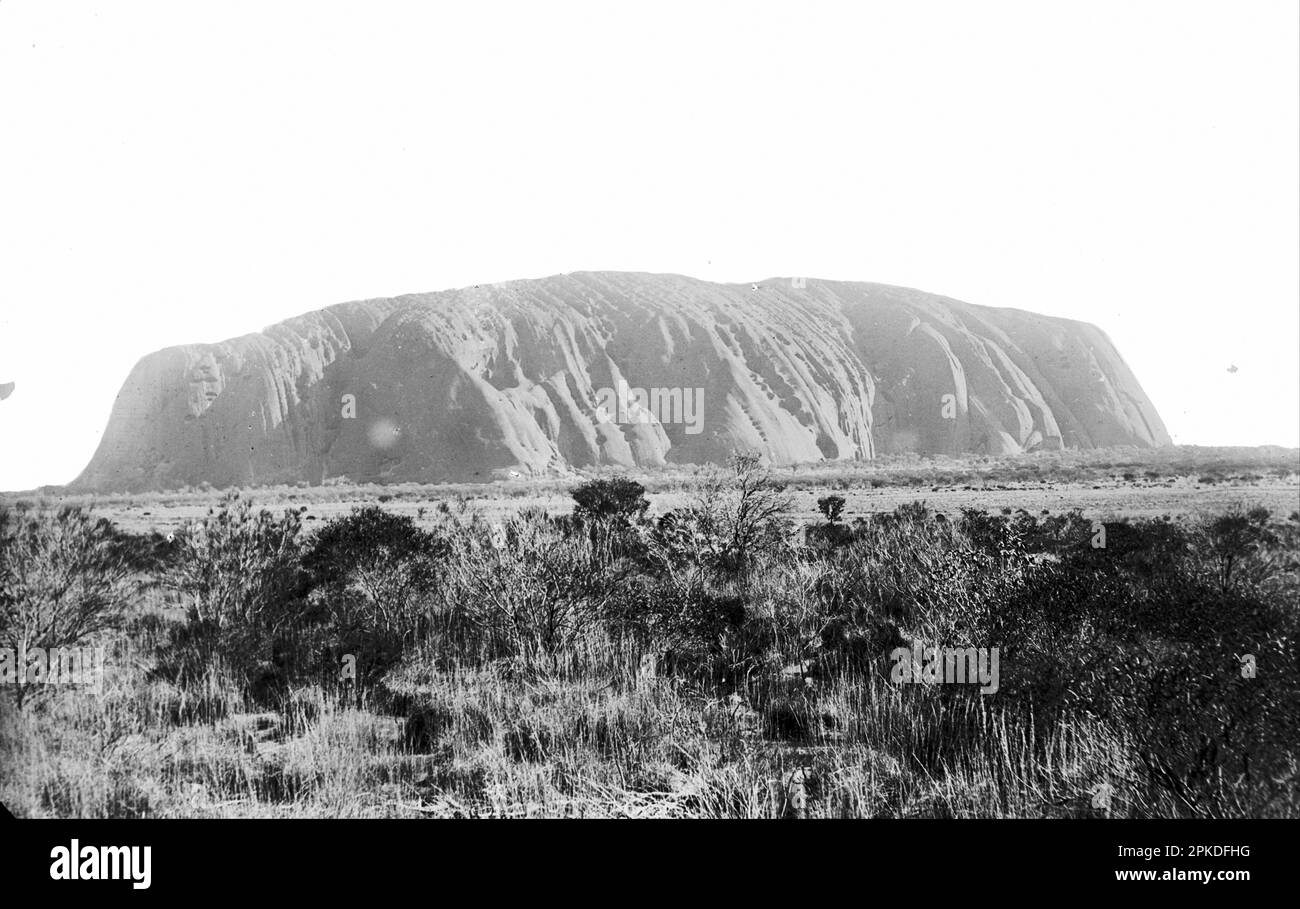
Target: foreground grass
(484, 743)
(507, 742)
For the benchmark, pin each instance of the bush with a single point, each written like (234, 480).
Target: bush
(384, 556)
(1145, 635)
(618, 499)
(63, 578)
(239, 575)
(737, 518)
(532, 591)
(371, 572)
(1233, 540)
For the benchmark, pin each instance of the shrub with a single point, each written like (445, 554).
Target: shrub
(63, 578)
(532, 591)
(1234, 539)
(737, 517)
(617, 498)
(384, 556)
(371, 572)
(1143, 636)
(240, 577)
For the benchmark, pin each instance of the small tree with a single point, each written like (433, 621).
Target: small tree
(618, 498)
(63, 577)
(832, 507)
(737, 514)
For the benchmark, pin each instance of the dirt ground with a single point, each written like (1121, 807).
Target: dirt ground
(1106, 500)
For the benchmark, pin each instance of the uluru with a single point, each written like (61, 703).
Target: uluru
(513, 379)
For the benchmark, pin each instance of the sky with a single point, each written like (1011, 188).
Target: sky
(175, 173)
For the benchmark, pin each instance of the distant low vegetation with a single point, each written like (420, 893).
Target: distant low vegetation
(713, 660)
(1207, 465)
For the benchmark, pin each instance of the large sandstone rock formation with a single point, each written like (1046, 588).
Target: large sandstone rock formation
(481, 382)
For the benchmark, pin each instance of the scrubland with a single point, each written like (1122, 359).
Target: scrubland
(610, 659)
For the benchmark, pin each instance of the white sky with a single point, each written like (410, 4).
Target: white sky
(177, 172)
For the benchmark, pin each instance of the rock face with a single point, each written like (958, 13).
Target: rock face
(543, 375)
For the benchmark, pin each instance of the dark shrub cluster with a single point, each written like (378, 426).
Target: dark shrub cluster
(370, 573)
(618, 499)
(64, 577)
